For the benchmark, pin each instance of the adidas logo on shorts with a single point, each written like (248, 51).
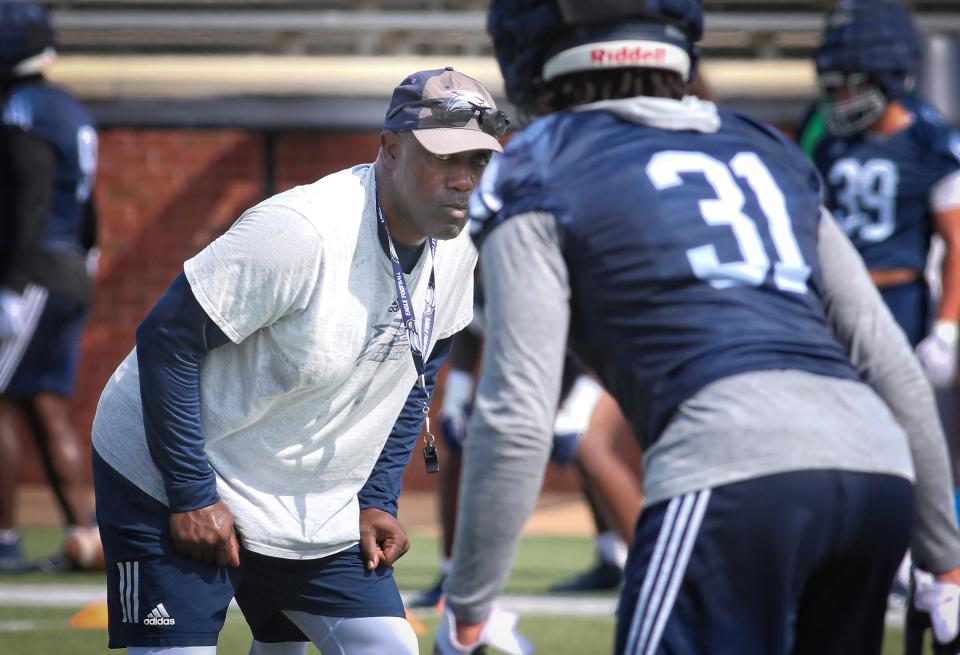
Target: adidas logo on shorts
(158, 616)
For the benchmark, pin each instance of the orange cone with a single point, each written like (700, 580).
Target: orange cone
(91, 617)
(416, 624)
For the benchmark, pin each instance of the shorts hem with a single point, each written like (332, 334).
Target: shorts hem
(181, 640)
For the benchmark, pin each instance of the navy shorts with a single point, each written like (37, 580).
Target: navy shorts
(910, 306)
(796, 563)
(43, 357)
(158, 597)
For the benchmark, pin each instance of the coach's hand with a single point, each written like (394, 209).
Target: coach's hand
(206, 534)
(382, 539)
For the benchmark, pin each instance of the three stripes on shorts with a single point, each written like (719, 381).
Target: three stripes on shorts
(661, 582)
(130, 598)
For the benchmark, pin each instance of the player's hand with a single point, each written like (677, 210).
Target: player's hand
(455, 410)
(938, 354)
(454, 427)
(573, 419)
(93, 262)
(499, 632)
(206, 534)
(576, 409)
(937, 601)
(11, 313)
(382, 539)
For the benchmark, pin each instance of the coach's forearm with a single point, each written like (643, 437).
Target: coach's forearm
(171, 344)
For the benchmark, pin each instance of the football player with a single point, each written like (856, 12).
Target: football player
(48, 161)
(609, 485)
(891, 169)
(788, 432)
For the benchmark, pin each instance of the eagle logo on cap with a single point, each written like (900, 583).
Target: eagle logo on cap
(472, 97)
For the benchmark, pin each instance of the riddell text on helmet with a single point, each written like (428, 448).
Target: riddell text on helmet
(626, 55)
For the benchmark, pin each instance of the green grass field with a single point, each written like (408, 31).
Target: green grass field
(26, 630)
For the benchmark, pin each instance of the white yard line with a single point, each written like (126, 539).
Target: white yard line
(35, 595)
(28, 595)
(529, 604)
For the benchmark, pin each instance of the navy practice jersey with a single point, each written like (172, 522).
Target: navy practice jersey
(878, 188)
(691, 257)
(56, 118)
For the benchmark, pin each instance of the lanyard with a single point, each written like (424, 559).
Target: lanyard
(419, 341)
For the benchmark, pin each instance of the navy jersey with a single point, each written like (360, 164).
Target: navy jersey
(56, 118)
(691, 257)
(878, 188)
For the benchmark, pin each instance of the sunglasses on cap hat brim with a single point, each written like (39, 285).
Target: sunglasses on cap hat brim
(457, 112)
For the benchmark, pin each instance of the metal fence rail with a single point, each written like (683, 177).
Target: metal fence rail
(144, 29)
(460, 5)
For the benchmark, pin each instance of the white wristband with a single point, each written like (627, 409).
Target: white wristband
(946, 331)
(457, 392)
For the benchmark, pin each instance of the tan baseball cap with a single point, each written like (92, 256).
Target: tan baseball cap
(447, 111)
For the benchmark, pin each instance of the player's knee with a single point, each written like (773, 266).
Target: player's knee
(370, 635)
(404, 641)
(52, 411)
(374, 635)
(380, 634)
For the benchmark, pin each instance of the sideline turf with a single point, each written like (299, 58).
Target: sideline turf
(29, 631)
(540, 562)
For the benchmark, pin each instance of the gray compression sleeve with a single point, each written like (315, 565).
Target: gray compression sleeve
(884, 359)
(511, 430)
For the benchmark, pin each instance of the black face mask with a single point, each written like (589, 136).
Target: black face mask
(853, 102)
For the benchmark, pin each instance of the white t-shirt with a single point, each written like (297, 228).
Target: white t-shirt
(296, 410)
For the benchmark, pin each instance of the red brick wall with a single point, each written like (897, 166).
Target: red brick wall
(162, 195)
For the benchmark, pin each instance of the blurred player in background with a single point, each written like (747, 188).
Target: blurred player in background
(790, 438)
(891, 169)
(254, 441)
(48, 161)
(598, 470)
(609, 465)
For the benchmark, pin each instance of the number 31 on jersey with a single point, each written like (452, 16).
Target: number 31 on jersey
(790, 272)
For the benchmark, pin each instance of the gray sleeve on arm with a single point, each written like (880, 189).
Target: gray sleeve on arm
(511, 430)
(884, 359)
